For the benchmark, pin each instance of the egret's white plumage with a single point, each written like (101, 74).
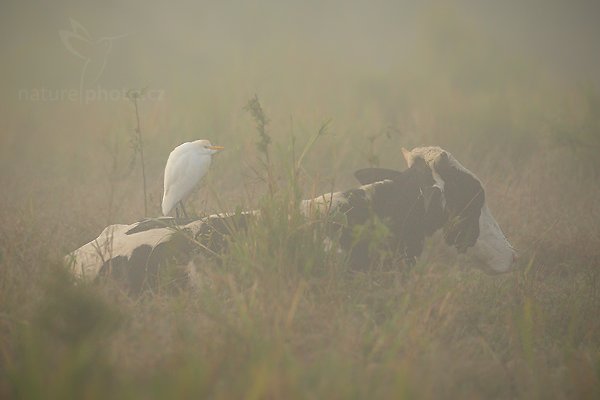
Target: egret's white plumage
(186, 166)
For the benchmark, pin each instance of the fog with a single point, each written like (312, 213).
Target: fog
(312, 61)
(183, 47)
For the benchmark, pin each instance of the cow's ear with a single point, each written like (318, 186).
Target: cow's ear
(370, 175)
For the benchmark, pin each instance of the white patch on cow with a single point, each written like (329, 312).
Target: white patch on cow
(372, 187)
(492, 248)
(323, 204)
(87, 261)
(328, 202)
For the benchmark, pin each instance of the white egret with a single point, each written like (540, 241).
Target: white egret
(186, 166)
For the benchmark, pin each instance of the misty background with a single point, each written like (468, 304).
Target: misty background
(470, 76)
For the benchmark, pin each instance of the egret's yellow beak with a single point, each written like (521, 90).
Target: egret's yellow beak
(215, 147)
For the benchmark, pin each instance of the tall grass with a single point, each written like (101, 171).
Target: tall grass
(278, 315)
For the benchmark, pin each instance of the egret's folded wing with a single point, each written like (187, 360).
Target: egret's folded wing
(182, 174)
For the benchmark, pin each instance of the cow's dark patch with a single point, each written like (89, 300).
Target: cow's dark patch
(464, 199)
(143, 268)
(130, 270)
(406, 203)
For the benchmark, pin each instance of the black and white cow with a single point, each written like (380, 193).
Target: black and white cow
(435, 192)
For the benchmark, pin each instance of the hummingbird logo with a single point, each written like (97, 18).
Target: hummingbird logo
(93, 53)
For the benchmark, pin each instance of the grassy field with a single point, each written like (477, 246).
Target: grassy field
(279, 318)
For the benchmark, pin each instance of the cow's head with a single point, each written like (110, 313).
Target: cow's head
(469, 224)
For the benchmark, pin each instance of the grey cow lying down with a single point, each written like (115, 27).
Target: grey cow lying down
(435, 192)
